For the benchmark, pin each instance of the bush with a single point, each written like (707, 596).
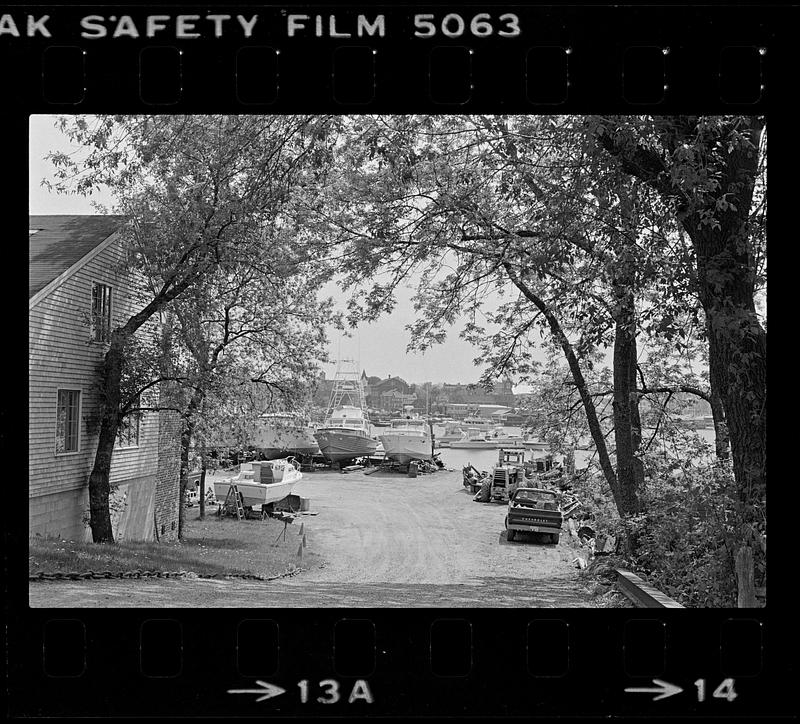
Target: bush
(686, 540)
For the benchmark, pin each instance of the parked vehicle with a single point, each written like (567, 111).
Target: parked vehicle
(534, 510)
(507, 475)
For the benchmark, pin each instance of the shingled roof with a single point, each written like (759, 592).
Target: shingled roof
(62, 241)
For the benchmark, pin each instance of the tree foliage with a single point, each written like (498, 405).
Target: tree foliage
(202, 194)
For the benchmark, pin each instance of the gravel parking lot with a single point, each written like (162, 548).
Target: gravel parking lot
(383, 539)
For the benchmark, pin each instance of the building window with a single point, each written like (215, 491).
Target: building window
(101, 312)
(128, 433)
(68, 421)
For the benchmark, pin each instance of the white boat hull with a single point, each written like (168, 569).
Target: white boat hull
(255, 494)
(536, 445)
(484, 444)
(508, 443)
(406, 446)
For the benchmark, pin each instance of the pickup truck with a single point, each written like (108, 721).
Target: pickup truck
(534, 510)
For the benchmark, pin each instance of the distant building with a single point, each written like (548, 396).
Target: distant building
(78, 294)
(395, 401)
(501, 395)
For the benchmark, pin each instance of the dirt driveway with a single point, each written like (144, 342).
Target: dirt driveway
(386, 540)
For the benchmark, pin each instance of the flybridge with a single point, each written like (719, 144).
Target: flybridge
(347, 388)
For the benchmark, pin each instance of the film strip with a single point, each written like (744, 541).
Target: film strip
(432, 657)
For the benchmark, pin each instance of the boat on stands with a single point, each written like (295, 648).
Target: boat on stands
(261, 483)
(408, 439)
(278, 435)
(345, 434)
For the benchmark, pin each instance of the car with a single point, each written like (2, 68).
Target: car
(534, 510)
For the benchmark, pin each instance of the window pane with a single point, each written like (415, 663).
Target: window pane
(61, 414)
(101, 312)
(128, 433)
(67, 421)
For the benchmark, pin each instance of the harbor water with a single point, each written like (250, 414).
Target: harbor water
(484, 459)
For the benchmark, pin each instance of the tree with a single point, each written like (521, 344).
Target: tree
(706, 169)
(474, 205)
(243, 328)
(200, 193)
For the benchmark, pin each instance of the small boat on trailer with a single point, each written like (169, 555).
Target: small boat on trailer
(261, 483)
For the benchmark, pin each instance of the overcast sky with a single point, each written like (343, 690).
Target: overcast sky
(380, 347)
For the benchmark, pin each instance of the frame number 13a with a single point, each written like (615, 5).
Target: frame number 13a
(724, 691)
(330, 693)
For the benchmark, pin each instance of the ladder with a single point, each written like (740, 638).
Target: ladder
(234, 500)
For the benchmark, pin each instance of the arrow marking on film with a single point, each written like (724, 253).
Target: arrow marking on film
(267, 691)
(663, 689)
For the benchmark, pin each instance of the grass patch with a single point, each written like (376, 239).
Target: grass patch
(210, 546)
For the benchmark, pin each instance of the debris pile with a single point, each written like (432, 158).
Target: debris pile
(472, 477)
(592, 543)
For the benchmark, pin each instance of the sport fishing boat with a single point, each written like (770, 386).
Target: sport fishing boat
(345, 434)
(260, 483)
(279, 435)
(408, 439)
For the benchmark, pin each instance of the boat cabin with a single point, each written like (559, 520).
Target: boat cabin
(347, 416)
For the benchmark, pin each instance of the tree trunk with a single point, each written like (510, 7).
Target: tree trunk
(203, 482)
(717, 223)
(186, 442)
(620, 499)
(99, 484)
(627, 423)
(737, 349)
(721, 436)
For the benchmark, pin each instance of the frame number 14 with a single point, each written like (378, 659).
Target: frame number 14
(724, 691)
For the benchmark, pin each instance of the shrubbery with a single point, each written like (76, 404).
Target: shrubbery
(686, 540)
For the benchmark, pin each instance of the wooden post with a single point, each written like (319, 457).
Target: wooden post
(745, 578)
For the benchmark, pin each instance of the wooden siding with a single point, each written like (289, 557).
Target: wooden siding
(61, 355)
(62, 514)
